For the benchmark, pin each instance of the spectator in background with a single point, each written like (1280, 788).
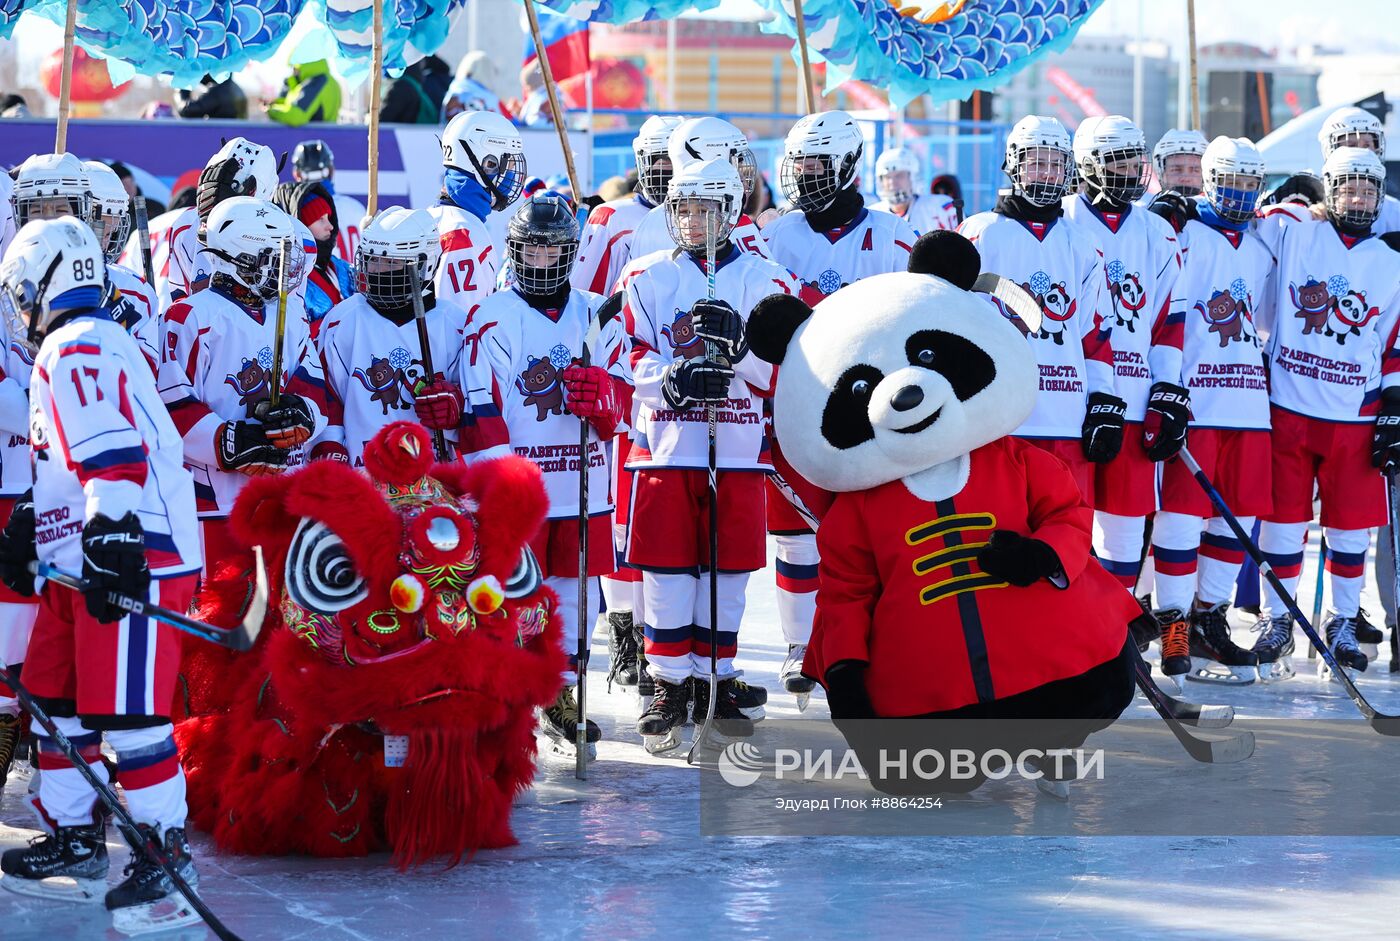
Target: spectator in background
(471, 88)
(760, 199)
(415, 96)
(614, 187)
(946, 184)
(310, 95)
(14, 106)
(211, 99)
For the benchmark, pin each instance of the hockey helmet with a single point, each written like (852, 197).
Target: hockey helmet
(711, 138)
(896, 175)
(51, 266)
(1037, 159)
(653, 159)
(821, 157)
(48, 186)
(313, 161)
(703, 204)
(246, 236)
(111, 209)
(1232, 172)
(396, 240)
(542, 243)
(486, 146)
(1354, 181)
(1110, 153)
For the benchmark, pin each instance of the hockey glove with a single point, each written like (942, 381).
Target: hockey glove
(1102, 435)
(289, 424)
(1164, 426)
(1385, 441)
(114, 559)
(1020, 560)
(688, 381)
(846, 695)
(17, 547)
(1174, 207)
(720, 325)
(245, 448)
(592, 396)
(439, 404)
(330, 451)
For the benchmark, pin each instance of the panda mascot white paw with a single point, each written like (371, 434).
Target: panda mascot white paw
(956, 579)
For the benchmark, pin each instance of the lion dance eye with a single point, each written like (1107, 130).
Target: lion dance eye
(526, 577)
(320, 575)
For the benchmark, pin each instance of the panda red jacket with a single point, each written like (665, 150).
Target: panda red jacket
(902, 591)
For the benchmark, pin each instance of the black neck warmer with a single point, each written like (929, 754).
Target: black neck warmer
(1016, 206)
(842, 211)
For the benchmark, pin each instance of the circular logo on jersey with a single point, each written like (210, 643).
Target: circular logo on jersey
(1040, 283)
(265, 357)
(1239, 290)
(1115, 271)
(740, 764)
(561, 356)
(829, 281)
(1337, 285)
(399, 357)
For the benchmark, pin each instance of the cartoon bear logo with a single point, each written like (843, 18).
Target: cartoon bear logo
(540, 385)
(1055, 303)
(1228, 314)
(250, 382)
(383, 382)
(1348, 315)
(681, 335)
(1313, 301)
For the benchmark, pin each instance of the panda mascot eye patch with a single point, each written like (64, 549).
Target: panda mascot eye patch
(846, 418)
(965, 365)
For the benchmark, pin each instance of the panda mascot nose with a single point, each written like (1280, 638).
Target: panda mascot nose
(907, 398)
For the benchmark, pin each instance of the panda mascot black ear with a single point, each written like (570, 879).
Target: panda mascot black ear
(947, 255)
(772, 324)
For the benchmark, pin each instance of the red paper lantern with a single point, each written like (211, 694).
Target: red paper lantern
(90, 80)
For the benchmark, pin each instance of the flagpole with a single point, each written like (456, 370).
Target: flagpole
(542, 56)
(1195, 82)
(376, 68)
(808, 86)
(65, 83)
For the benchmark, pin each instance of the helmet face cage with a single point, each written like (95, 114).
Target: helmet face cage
(1229, 196)
(697, 235)
(1123, 183)
(382, 274)
(1352, 136)
(896, 186)
(258, 272)
(19, 304)
(535, 272)
(747, 165)
(503, 174)
(112, 227)
(51, 203)
(1342, 192)
(811, 181)
(1053, 161)
(653, 176)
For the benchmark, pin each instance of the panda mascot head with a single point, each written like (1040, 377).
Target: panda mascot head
(896, 373)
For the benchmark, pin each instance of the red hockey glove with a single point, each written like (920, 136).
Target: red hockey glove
(330, 451)
(438, 404)
(592, 396)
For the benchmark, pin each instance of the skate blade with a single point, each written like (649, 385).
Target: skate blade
(1278, 671)
(1372, 651)
(661, 744)
(58, 888)
(1325, 672)
(1209, 671)
(1058, 790)
(756, 714)
(1171, 683)
(566, 751)
(802, 701)
(168, 913)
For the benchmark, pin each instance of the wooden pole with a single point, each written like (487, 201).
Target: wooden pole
(376, 69)
(808, 86)
(543, 59)
(1195, 82)
(65, 87)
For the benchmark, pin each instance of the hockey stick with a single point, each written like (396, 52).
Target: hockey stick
(1013, 297)
(426, 351)
(1383, 723)
(713, 485)
(240, 638)
(143, 236)
(140, 843)
(792, 497)
(1392, 494)
(1321, 586)
(1222, 751)
(274, 379)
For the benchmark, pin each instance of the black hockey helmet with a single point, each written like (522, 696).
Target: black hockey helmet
(312, 161)
(543, 219)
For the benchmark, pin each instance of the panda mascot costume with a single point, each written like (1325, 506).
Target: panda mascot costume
(956, 579)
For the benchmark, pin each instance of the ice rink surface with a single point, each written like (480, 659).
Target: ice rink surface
(621, 857)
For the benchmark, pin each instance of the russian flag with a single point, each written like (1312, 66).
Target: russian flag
(566, 42)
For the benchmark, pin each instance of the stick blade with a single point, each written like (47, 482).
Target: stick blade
(252, 624)
(1223, 751)
(1013, 298)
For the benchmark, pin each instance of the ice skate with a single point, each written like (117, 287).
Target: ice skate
(791, 676)
(646, 684)
(69, 865)
(660, 724)
(1214, 656)
(749, 699)
(9, 744)
(1274, 648)
(623, 648)
(730, 720)
(1341, 640)
(147, 900)
(1176, 645)
(558, 727)
(1368, 636)
(1048, 784)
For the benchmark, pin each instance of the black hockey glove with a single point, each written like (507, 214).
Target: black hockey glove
(245, 448)
(688, 381)
(1020, 560)
(846, 695)
(1385, 441)
(114, 559)
(1164, 426)
(1102, 435)
(719, 324)
(1174, 207)
(17, 547)
(289, 424)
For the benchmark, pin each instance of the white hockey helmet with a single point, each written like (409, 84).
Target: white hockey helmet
(1037, 159)
(1354, 181)
(51, 265)
(396, 240)
(1350, 127)
(821, 157)
(1177, 142)
(486, 146)
(711, 138)
(48, 186)
(1232, 177)
(897, 175)
(1110, 153)
(703, 203)
(111, 209)
(245, 237)
(257, 163)
(653, 159)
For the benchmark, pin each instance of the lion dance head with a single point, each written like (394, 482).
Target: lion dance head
(389, 704)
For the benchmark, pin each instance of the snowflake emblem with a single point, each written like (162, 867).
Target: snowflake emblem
(1040, 283)
(399, 357)
(1338, 285)
(1116, 271)
(1239, 290)
(561, 356)
(829, 281)
(265, 357)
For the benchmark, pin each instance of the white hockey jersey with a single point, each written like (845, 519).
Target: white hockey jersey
(137, 310)
(604, 246)
(526, 349)
(466, 272)
(1061, 270)
(349, 213)
(875, 242)
(104, 443)
(926, 213)
(652, 235)
(216, 359)
(1138, 250)
(7, 218)
(162, 232)
(1224, 277)
(656, 314)
(1331, 318)
(16, 369)
(372, 366)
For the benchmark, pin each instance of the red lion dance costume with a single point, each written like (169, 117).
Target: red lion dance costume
(405, 609)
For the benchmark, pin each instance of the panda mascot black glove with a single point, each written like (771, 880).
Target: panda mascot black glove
(845, 691)
(1102, 434)
(1164, 426)
(719, 324)
(1020, 560)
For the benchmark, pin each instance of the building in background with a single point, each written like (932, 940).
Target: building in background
(1247, 91)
